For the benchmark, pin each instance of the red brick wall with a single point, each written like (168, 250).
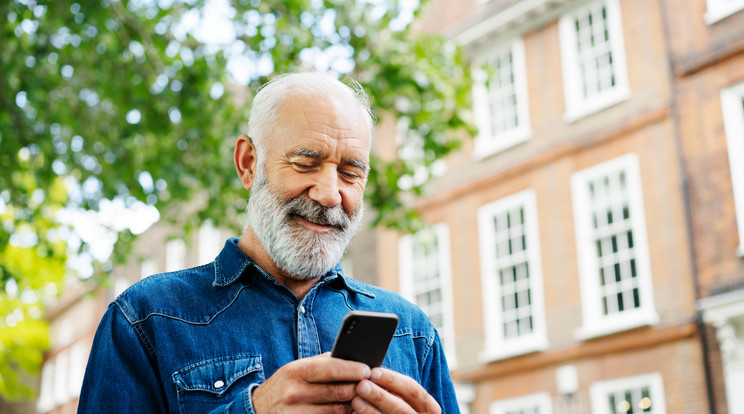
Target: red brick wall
(711, 193)
(643, 124)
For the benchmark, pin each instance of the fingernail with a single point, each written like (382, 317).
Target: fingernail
(359, 405)
(365, 389)
(376, 374)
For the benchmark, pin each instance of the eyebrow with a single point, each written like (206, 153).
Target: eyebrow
(305, 152)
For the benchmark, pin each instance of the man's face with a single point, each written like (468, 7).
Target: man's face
(306, 201)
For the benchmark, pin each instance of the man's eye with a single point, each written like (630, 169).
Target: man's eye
(350, 175)
(304, 167)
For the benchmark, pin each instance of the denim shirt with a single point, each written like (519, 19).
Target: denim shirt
(201, 339)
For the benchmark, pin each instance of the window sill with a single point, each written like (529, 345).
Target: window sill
(593, 106)
(740, 251)
(486, 147)
(712, 17)
(500, 352)
(622, 324)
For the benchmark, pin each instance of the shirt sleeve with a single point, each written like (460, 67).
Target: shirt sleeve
(436, 378)
(120, 376)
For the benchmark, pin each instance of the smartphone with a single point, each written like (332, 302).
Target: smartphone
(365, 337)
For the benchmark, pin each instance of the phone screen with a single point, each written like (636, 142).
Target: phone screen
(365, 337)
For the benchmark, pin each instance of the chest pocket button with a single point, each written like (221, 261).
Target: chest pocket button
(217, 375)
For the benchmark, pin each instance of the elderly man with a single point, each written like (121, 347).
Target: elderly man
(250, 331)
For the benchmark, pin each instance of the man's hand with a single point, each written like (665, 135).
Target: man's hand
(393, 393)
(318, 384)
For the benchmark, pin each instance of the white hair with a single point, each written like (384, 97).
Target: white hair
(271, 96)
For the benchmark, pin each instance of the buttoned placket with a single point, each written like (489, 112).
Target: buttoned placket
(308, 342)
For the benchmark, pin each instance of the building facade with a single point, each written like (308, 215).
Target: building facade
(583, 251)
(707, 57)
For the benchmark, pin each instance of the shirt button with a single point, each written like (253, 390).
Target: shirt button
(219, 384)
(302, 309)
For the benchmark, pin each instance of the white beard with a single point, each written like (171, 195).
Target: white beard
(295, 249)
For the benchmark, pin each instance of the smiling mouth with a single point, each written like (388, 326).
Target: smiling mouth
(323, 227)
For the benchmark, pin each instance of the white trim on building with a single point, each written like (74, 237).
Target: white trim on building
(511, 273)
(732, 102)
(642, 393)
(726, 313)
(175, 255)
(209, 242)
(612, 248)
(593, 59)
(721, 9)
(539, 403)
(426, 280)
(500, 101)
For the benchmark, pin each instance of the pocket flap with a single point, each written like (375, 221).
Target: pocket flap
(216, 375)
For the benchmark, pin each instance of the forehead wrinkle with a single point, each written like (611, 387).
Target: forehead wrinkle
(327, 121)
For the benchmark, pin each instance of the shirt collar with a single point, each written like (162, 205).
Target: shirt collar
(232, 262)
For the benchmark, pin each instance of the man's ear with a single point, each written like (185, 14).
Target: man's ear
(246, 160)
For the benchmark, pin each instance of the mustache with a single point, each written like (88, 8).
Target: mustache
(312, 211)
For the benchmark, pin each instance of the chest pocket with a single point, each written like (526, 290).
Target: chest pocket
(206, 385)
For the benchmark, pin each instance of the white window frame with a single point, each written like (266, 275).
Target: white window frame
(576, 105)
(595, 324)
(487, 144)
(46, 394)
(726, 313)
(733, 120)
(407, 288)
(541, 400)
(121, 283)
(721, 9)
(78, 361)
(61, 372)
(598, 391)
(175, 255)
(209, 242)
(496, 345)
(148, 267)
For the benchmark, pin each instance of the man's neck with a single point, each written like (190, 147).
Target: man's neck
(251, 246)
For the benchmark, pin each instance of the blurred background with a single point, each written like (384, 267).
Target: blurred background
(558, 184)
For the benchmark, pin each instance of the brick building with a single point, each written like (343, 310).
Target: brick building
(583, 254)
(707, 57)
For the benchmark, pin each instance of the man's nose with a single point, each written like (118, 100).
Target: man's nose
(325, 190)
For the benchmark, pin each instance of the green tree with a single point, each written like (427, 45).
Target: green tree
(117, 99)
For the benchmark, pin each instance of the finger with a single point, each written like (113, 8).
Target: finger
(375, 399)
(340, 408)
(325, 394)
(360, 406)
(323, 369)
(406, 388)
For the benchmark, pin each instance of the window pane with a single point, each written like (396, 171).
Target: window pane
(427, 283)
(611, 231)
(514, 273)
(594, 51)
(631, 400)
(502, 95)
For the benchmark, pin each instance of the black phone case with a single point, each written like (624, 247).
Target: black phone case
(365, 337)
